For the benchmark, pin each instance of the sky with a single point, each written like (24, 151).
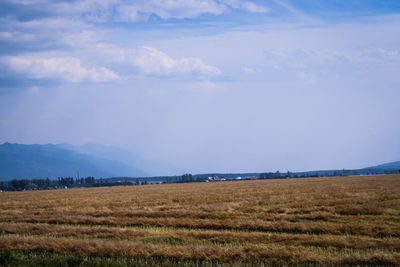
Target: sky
(206, 85)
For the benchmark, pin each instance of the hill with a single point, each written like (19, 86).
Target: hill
(19, 161)
(388, 166)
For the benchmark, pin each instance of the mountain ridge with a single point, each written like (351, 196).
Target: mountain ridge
(20, 161)
(23, 161)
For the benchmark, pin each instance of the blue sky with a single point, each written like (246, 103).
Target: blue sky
(206, 85)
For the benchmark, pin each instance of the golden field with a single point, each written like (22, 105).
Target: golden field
(346, 220)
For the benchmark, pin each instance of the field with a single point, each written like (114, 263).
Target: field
(349, 220)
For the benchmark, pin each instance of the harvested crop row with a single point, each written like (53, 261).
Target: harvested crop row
(301, 194)
(273, 254)
(335, 220)
(373, 228)
(219, 237)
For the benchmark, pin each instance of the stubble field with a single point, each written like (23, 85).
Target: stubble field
(349, 220)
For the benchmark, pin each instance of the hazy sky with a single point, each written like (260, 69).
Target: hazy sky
(206, 85)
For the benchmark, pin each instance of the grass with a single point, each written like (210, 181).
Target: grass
(351, 220)
(34, 259)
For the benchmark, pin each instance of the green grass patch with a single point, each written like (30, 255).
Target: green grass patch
(48, 259)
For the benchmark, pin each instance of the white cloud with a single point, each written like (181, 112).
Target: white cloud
(47, 33)
(206, 86)
(201, 86)
(15, 36)
(179, 8)
(106, 10)
(65, 68)
(28, 2)
(142, 60)
(304, 58)
(305, 77)
(382, 54)
(254, 8)
(150, 60)
(248, 70)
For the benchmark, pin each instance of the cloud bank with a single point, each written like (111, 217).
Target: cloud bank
(68, 69)
(153, 61)
(131, 11)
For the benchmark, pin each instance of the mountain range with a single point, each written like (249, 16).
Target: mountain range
(387, 166)
(19, 161)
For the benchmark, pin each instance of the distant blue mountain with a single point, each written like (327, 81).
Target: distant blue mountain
(19, 161)
(387, 166)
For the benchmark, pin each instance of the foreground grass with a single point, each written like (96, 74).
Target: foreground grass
(34, 259)
(48, 259)
(351, 220)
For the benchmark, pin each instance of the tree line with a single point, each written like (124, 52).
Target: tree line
(90, 181)
(36, 184)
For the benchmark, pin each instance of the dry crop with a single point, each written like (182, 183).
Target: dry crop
(345, 220)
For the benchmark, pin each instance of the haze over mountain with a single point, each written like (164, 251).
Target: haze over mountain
(149, 166)
(19, 161)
